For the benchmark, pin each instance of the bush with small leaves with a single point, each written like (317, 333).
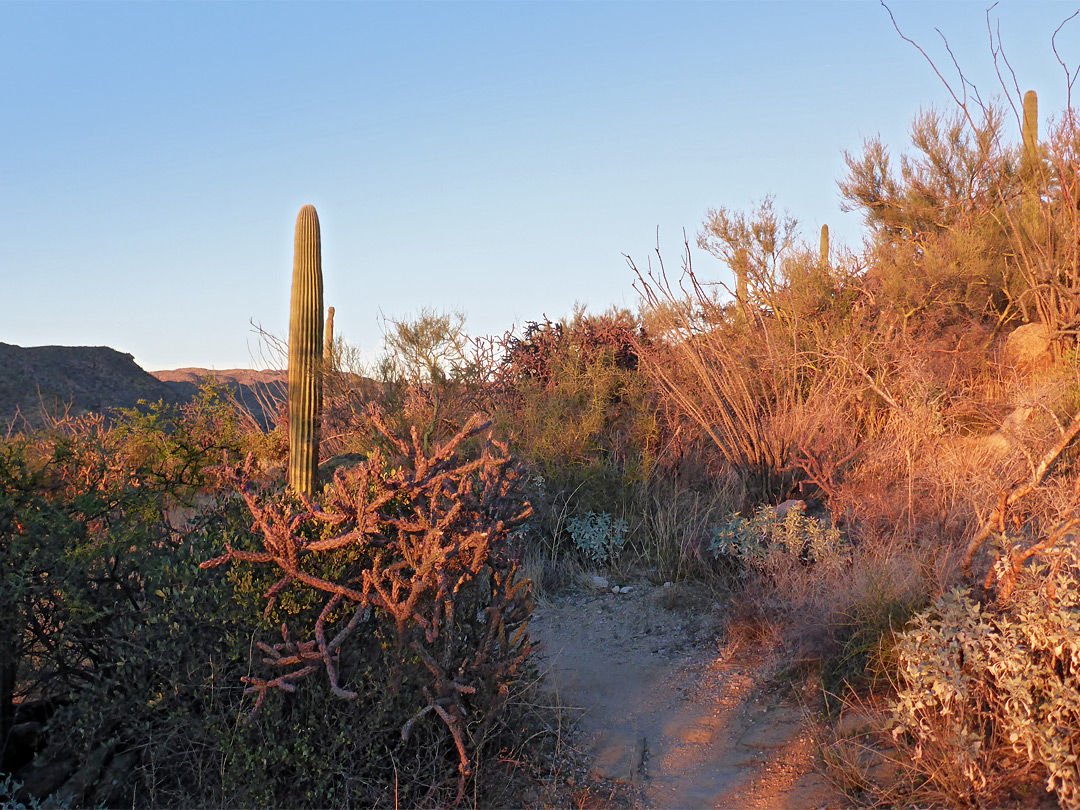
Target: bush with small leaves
(101, 620)
(759, 543)
(598, 535)
(988, 694)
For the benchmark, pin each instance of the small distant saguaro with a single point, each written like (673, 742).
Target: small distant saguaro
(1030, 130)
(305, 353)
(824, 247)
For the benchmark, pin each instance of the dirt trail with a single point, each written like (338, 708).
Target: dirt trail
(661, 709)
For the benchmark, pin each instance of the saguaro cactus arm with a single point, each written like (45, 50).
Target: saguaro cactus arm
(328, 343)
(305, 353)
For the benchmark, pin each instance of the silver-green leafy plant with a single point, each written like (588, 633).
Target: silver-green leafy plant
(598, 535)
(760, 541)
(979, 686)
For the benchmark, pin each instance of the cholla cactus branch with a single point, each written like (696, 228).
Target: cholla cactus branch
(417, 535)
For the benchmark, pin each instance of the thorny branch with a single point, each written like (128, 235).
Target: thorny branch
(417, 532)
(1000, 513)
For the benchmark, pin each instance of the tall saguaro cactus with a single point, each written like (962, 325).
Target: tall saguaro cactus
(824, 244)
(305, 353)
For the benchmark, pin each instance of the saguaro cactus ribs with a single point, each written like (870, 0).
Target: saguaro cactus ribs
(305, 353)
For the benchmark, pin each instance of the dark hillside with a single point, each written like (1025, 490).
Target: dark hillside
(258, 392)
(53, 380)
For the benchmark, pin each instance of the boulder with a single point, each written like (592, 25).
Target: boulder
(41, 779)
(1029, 348)
(1007, 437)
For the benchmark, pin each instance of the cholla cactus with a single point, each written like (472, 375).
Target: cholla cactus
(305, 354)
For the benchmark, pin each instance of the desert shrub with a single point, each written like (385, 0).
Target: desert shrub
(583, 418)
(833, 605)
(431, 375)
(144, 662)
(159, 721)
(97, 595)
(598, 535)
(987, 694)
(406, 597)
(766, 542)
(978, 222)
(938, 239)
(80, 504)
(757, 378)
(575, 402)
(538, 352)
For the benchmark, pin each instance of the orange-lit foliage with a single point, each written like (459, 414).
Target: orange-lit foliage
(588, 338)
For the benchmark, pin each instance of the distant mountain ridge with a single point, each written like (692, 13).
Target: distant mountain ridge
(54, 380)
(41, 382)
(257, 391)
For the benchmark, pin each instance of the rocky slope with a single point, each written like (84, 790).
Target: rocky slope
(41, 383)
(258, 392)
(45, 382)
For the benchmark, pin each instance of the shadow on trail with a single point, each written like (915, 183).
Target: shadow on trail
(660, 708)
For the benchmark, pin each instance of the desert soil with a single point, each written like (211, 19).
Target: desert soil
(664, 711)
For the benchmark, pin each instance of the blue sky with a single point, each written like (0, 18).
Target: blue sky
(497, 157)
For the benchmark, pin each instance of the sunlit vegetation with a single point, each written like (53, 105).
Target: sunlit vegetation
(869, 452)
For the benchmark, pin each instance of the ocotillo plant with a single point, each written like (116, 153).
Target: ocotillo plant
(824, 244)
(305, 354)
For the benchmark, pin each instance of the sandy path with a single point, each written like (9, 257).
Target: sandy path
(663, 710)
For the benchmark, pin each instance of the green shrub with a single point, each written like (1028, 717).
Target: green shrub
(576, 403)
(598, 535)
(103, 612)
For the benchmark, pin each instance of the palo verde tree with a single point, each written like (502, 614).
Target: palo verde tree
(936, 224)
(753, 246)
(429, 348)
(982, 217)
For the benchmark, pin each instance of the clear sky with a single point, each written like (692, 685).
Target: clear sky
(493, 157)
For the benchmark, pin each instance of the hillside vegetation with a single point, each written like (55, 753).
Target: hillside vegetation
(869, 454)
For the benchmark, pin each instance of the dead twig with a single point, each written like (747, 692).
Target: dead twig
(997, 517)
